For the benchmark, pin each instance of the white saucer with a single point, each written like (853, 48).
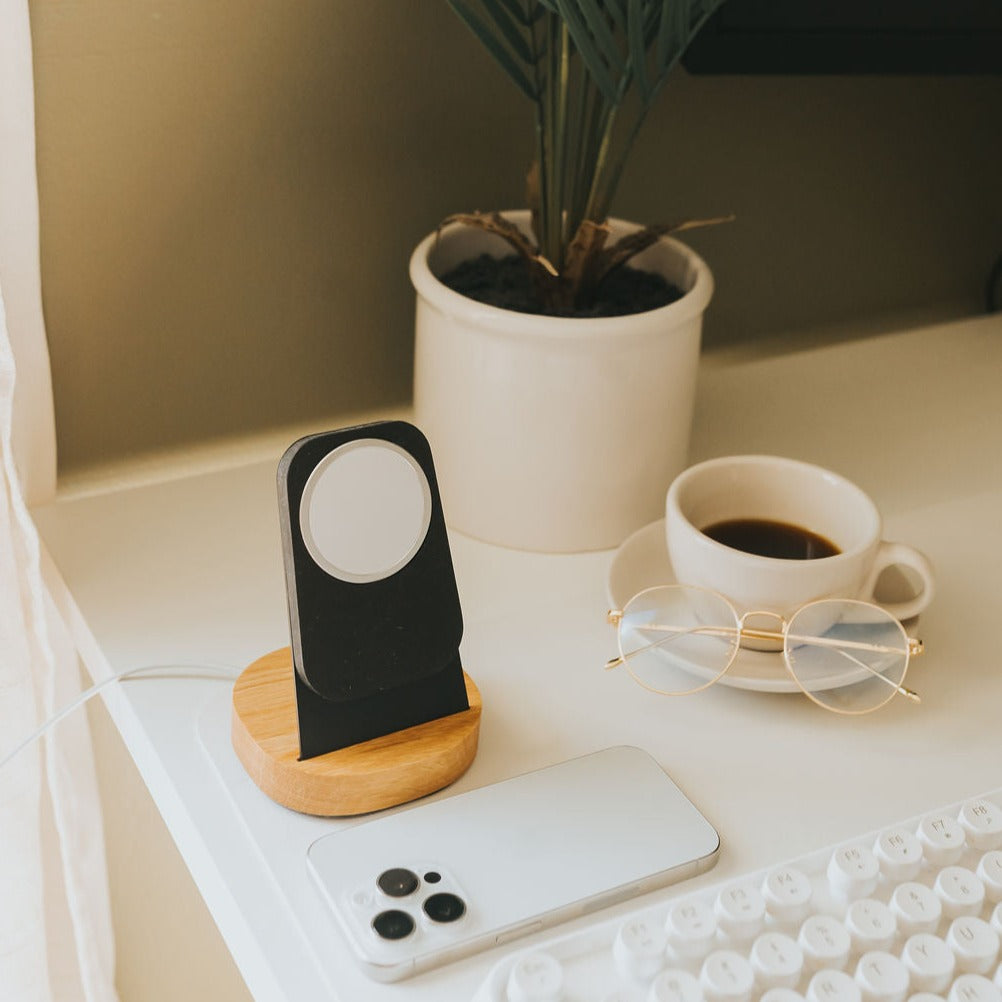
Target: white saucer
(642, 562)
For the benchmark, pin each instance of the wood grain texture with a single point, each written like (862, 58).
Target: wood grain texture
(365, 777)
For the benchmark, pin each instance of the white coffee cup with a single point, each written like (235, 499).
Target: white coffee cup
(798, 494)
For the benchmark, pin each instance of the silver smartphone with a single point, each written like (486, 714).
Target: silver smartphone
(444, 879)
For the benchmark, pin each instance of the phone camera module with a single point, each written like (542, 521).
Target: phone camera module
(398, 882)
(444, 907)
(393, 924)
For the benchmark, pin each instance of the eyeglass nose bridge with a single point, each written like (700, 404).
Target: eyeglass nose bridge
(755, 636)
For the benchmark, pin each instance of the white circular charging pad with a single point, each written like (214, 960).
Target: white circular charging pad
(365, 510)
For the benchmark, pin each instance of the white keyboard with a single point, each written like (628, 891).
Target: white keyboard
(911, 912)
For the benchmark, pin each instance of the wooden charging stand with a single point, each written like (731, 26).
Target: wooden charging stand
(383, 772)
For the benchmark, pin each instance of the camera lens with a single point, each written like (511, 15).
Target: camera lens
(397, 882)
(393, 924)
(444, 907)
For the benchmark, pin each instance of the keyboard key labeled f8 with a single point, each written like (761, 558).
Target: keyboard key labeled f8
(912, 913)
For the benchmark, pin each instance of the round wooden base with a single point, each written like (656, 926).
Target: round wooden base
(365, 777)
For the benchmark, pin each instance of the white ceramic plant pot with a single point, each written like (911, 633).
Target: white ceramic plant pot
(548, 433)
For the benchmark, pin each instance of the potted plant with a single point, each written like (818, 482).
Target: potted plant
(559, 415)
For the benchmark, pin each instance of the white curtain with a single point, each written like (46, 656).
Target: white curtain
(56, 941)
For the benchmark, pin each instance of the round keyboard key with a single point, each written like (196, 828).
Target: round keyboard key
(825, 943)
(974, 943)
(639, 949)
(882, 977)
(982, 821)
(974, 988)
(726, 977)
(929, 961)
(960, 891)
(916, 908)
(781, 995)
(776, 960)
(691, 928)
(675, 986)
(740, 911)
(853, 872)
(871, 925)
(787, 894)
(536, 977)
(899, 853)
(942, 839)
(833, 986)
(990, 872)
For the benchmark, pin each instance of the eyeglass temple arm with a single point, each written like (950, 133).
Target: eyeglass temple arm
(910, 693)
(915, 647)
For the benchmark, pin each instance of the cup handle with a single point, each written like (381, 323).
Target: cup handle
(890, 555)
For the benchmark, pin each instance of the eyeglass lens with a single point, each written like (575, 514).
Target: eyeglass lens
(862, 661)
(665, 643)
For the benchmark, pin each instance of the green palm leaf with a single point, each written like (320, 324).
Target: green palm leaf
(637, 37)
(494, 42)
(596, 59)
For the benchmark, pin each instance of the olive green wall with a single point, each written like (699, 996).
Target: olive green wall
(230, 192)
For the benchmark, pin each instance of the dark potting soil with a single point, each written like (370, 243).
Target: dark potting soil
(504, 282)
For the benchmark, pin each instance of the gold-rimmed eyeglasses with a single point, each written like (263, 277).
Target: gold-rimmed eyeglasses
(847, 656)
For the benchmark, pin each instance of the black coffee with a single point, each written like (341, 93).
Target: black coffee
(766, 538)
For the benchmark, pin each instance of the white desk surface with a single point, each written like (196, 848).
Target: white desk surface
(190, 571)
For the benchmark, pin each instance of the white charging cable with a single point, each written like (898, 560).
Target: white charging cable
(221, 672)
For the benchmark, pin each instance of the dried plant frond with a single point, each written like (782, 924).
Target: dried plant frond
(494, 222)
(584, 253)
(633, 243)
